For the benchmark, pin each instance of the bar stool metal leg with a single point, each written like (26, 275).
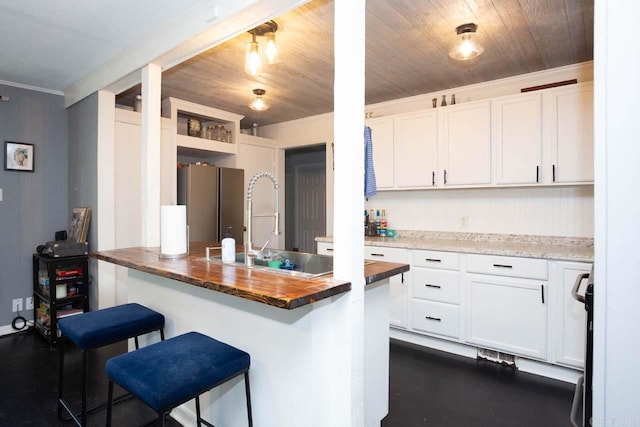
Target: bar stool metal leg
(248, 393)
(85, 386)
(60, 373)
(109, 402)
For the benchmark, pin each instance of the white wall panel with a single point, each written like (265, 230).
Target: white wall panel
(553, 211)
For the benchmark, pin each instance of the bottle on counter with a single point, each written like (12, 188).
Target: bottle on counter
(383, 224)
(371, 232)
(228, 248)
(378, 222)
(366, 222)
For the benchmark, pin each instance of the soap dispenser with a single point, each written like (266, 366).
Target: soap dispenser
(228, 248)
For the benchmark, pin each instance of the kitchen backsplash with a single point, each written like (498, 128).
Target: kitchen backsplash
(548, 211)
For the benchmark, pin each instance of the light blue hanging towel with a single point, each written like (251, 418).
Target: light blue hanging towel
(369, 174)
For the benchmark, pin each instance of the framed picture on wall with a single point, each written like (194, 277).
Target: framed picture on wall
(18, 156)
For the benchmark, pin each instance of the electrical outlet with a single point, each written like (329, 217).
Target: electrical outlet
(17, 304)
(464, 222)
(28, 303)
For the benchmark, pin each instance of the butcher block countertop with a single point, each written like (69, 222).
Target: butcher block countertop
(579, 249)
(262, 286)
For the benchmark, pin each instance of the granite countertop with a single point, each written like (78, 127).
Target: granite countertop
(262, 286)
(578, 249)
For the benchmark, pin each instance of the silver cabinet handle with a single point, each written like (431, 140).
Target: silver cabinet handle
(576, 286)
(428, 285)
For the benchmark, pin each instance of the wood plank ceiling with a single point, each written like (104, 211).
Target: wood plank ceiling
(407, 42)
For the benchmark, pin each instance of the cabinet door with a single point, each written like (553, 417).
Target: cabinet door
(507, 314)
(383, 150)
(416, 144)
(570, 133)
(466, 144)
(571, 317)
(517, 137)
(399, 283)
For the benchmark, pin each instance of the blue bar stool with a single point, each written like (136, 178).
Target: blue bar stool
(167, 374)
(99, 328)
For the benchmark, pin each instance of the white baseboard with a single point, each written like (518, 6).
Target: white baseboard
(535, 367)
(8, 329)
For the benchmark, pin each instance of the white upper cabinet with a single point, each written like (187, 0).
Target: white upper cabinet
(569, 131)
(466, 144)
(517, 135)
(534, 138)
(383, 150)
(416, 139)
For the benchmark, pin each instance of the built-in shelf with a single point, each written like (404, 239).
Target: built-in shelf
(180, 111)
(190, 145)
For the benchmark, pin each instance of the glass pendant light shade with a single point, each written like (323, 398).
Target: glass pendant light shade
(467, 45)
(257, 101)
(271, 51)
(253, 58)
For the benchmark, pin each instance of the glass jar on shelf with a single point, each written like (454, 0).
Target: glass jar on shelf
(209, 133)
(229, 136)
(194, 127)
(218, 132)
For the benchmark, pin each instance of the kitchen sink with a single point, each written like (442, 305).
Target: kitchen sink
(301, 264)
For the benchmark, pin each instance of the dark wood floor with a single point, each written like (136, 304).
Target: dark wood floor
(432, 388)
(428, 388)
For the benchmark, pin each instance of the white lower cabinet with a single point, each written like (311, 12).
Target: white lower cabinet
(399, 283)
(570, 315)
(522, 306)
(505, 313)
(435, 293)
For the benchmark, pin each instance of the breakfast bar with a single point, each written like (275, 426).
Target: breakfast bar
(293, 328)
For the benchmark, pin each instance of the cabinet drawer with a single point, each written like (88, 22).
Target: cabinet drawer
(325, 248)
(528, 268)
(436, 317)
(434, 259)
(436, 285)
(379, 253)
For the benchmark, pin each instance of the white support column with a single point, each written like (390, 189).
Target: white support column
(349, 34)
(105, 209)
(617, 208)
(151, 148)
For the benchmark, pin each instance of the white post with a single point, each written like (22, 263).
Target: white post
(349, 42)
(617, 208)
(105, 209)
(151, 148)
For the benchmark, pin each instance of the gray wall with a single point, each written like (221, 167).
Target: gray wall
(83, 180)
(34, 205)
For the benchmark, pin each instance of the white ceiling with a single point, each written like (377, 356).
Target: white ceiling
(52, 44)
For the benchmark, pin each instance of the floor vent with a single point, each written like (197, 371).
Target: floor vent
(504, 359)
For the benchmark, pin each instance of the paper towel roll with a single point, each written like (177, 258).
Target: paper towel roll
(173, 231)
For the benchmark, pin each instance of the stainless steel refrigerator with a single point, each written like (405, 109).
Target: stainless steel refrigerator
(215, 200)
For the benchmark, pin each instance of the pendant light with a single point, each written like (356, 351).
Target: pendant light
(257, 101)
(253, 58)
(467, 44)
(271, 50)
